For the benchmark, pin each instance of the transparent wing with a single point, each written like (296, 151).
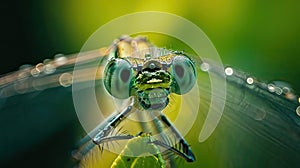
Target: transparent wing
(38, 123)
(39, 126)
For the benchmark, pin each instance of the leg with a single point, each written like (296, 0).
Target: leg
(186, 150)
(172, 149)
(99, 134)
(111, 124)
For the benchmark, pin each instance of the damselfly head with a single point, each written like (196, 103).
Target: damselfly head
(150, 74)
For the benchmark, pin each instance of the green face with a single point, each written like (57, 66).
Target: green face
(152, 82)
(150, 78)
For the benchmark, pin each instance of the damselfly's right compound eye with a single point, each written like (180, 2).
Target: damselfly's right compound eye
(184, 74)
(118, 75)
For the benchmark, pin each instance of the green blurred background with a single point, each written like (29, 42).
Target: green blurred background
(260, 37)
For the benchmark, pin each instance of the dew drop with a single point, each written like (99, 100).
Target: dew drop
(147, 56)
(278, 90)
(284, 88)
(22, 75)
(25, 66)
(228, 71)
(271, 88)
(65, 79)
(58, 55)
(40, 67)
(250, 80)
(298, 111)
(21, 87)
(49, 69)
(38, 85)
(152, 66)
(34, 72)
(60, 59)
(204, 67)
(47, 61)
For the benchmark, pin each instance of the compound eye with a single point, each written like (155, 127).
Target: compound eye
(184, 75)
(117, 80)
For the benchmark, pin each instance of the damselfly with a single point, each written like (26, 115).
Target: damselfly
(259, 119)
(146, 76)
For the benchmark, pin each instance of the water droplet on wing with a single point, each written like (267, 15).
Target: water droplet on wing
(204, 67)
(228, 71)
(65, 79)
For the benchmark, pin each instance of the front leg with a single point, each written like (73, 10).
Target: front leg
(188, 153)
(111, 124)
(96, 136)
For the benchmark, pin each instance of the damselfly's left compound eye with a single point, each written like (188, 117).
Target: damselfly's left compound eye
(117, 79)
(183, 72)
